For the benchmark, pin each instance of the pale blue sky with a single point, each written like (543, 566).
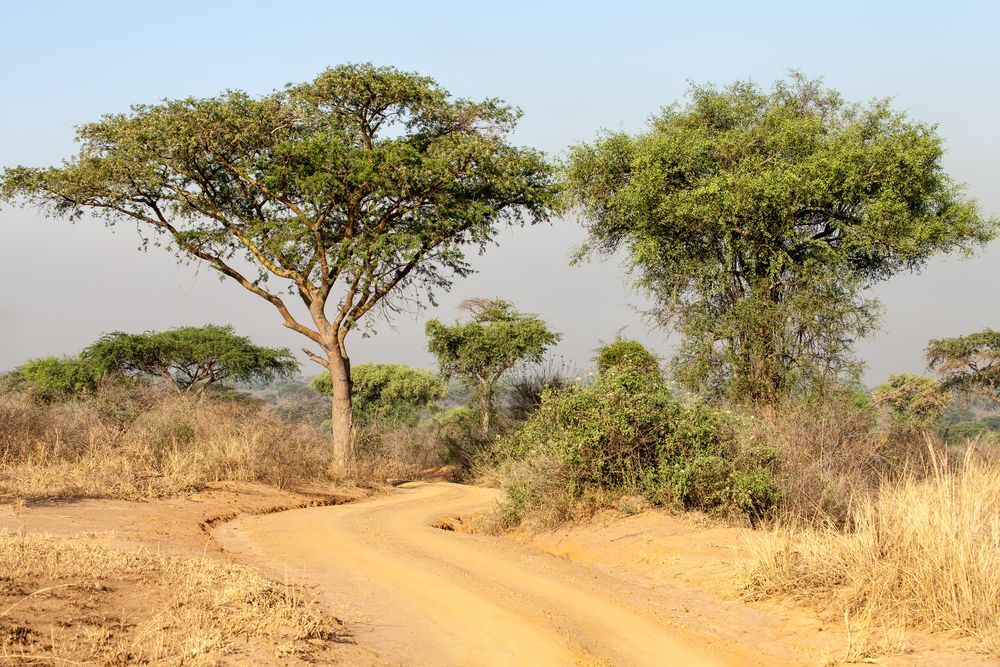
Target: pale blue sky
(573, 67)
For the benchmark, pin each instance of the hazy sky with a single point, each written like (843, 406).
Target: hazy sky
(574, 67)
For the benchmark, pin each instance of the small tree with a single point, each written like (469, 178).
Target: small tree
(758, 219)
(913, 401)
(392, 392)
(968, 363)
(190, 358)
(356, 193)
(479, 352)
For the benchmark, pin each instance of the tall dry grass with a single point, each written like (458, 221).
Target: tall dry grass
(142, 443)
(922, 552)
(833, 454)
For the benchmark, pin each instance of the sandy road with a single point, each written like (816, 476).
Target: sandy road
(419, 595)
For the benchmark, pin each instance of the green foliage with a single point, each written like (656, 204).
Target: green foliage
(391, 393)
(626, 435)
(913, 401)
(54, 379)
(366, 179)
(628, 353)
(968, 363)
(480, 351)
(757, 220)
(359, 191)
(190, 357)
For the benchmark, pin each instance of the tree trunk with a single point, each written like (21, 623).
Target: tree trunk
(486, 401)
(340, 412)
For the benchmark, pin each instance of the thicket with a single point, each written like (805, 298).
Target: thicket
(627, 433)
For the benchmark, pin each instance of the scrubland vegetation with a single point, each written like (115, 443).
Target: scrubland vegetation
(757, 221)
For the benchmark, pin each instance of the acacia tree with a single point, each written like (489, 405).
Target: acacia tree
(757, 220)
(480, 351)
(356, 192)
(190, 358)
(968, 363)
(913, 401)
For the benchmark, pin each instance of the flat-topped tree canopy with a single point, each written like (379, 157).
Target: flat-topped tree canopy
(359, 190)
(190, 358)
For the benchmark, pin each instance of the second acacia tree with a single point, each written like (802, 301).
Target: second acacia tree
(480, 351)
(355, 193)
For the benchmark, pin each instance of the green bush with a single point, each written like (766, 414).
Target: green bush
(54, 379)
(389, 393)
(627, 353)
(626, 434)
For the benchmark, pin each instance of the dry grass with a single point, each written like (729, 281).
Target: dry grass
(144, 445)
(832, 455)
(923, 552)
(71, 601)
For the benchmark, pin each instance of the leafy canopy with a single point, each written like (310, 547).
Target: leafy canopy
(478, 352)
(627, 353)
(968, 363)
(190, 357)
(757, 220)
(912, 400)
(361, 187)
(53, 379)
(388, 392)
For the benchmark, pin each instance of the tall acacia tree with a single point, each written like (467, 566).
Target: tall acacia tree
(758, 219)
(356, 192)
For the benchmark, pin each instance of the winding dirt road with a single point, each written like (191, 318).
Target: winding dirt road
(419, 595)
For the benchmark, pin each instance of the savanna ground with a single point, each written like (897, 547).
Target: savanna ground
(144, 529)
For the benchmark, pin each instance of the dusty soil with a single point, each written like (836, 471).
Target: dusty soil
(109, 607)
(413, 587)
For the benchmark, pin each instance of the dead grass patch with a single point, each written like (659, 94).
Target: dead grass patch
(71, 601)
(922, 552)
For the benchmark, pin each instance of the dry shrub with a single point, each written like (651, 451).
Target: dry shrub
(60, 603)
(923, 552)
(832, 453)
(387, 451)
(143, 442)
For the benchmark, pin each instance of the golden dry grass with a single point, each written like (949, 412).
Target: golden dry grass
(71, 601)
(922, 552)
(149, 446)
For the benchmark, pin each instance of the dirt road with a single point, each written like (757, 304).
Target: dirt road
(419, 595)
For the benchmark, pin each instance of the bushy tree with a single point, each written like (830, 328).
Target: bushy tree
(190, 358)
(914, 401)
(758, 219)
(394, 393)
(357, 193)
(480, 351)
(54, 379)
(968, 363)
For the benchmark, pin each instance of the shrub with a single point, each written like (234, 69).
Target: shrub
(523, 392)
(626, 434)
(53, 379)
(627, 353)
(388, 393)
